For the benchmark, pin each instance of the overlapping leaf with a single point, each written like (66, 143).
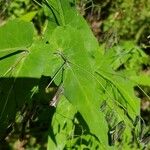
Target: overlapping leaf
(69, 41)
(21, 66)
(79, 86)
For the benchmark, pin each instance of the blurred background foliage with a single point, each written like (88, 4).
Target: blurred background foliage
(114, 23)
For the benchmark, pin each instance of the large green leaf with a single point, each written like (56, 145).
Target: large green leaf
(15, 38)
(16, 35)
(77, 45)
(67, 15)
(79, 86)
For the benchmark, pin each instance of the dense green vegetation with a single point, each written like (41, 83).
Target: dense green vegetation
(61, 87)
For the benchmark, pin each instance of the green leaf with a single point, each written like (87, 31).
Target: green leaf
(125, 88)
(16, 35)
(118, 80)
(60, 11)
(28, 16)
(79, 86)
(67, 15)
(62, 125)
(141, 79)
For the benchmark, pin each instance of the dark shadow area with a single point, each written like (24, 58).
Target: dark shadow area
(81, 127)
(24, 109)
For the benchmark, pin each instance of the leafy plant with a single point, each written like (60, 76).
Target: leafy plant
(98, 108)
